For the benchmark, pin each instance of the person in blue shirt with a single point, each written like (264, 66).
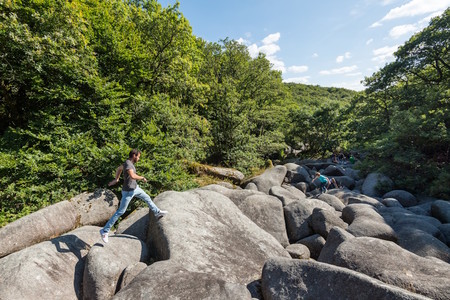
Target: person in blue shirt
(325, 182)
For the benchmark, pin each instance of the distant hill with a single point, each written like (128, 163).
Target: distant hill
(314, 94)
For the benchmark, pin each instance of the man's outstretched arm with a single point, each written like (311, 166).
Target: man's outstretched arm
(117, 177)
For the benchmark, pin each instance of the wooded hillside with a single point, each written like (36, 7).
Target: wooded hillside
(83, 82)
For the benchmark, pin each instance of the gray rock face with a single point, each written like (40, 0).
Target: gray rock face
(235, 195)
(283, 194)
(39, 226)
(205, 232)
(296, 174)
(267, 212)
(135, 224)
(333, 170)
(388, 262)
(391, 202)
(106, 262)
(373, 182)
(170, 280)
(314, 243)
(440, 209)
(95, 208)
(331, 200)
(364, 220)
(48, 270)
(365, 200)
(306, 279)
(223, 173)
(298, 193)
(405, 198)
(423, 244)
(131, 272)
(345, 181)
(297, 216)
(298, 251)
(323, 220)
(272, 177)
(445, 230)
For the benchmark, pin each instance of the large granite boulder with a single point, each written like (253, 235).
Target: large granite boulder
(375, 183)
(314, 243)
(136, 224)
(296, 173)
(333, 170)
(42, 225)
(271, 177)
(210, 237)
(105, 264)
(423, 244)
(298, 251)
(388, 262)
(440, 209)
(323, 220)
(286, 279)
(95, 208)
(173, 280)
(48, 270)
(283, 194)
(267, 212)
(445, 230)
(332, 200)
(364, 220)
(405, 198)
(297, 215)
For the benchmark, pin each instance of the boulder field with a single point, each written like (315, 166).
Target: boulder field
(273, 237)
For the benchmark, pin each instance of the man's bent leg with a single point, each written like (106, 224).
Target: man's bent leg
(126, 198)
(140, 193)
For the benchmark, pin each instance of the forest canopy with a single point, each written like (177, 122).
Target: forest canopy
(83, 82)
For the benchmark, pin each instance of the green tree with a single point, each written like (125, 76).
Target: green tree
(410, 97)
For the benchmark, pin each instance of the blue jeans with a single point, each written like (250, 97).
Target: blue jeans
(126, 198)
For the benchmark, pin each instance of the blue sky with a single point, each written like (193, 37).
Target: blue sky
(326, 43)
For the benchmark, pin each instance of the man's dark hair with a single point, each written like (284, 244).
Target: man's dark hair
(133, 153)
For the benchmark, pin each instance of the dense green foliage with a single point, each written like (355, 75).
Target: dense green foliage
(84, 81)
(403, 119)
(318, 123)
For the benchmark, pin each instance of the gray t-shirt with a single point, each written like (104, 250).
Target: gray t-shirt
(129, 184)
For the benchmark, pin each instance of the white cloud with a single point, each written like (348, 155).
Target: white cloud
(400, 30)
(271, 38)
(369, 41)
(277, 64)
(341, 58)
(342, 70)
(376, 24)
(381, 55)
(304, 79)
(414, 8)
(386, 2)
(315, 55)
(253, 50)
(242, 41)
(297, 69)
(269, 48)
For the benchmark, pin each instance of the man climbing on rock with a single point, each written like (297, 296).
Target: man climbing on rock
(325, 182)
(130, 189)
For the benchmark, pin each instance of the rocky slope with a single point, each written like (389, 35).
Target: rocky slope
(276, 237)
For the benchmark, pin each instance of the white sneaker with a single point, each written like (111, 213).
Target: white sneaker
(104, 235)
(161, 214)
